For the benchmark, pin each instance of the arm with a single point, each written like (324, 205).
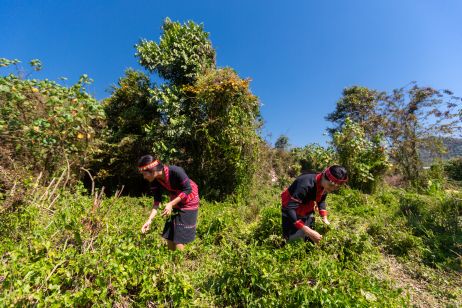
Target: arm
(180, 179)
(322, 208)
(157, 198)
(147, 224)
(312, 234)
(169, 206)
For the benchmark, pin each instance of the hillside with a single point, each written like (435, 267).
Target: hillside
(453, 147)
(390, 249)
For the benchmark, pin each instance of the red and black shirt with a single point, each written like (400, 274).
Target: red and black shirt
(176, 184)
(299, 200)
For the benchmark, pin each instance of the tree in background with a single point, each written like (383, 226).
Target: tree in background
(204, 118)
(223, 145)
(45, 125)
(313, 157)
(183, 53)
(359, 104)
(412, 117)
(454, 168)
(282, 143)
(365, 160)
(129, 111)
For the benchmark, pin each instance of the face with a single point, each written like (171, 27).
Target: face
(329, 186)
(148, 175)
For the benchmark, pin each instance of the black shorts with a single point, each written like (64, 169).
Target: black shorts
(180, 227)
(289, 232)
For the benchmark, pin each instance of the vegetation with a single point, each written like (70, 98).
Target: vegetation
(87, 251)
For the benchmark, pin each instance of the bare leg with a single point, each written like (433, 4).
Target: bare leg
(180, 246)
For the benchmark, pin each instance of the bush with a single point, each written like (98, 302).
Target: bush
(365, 160)
(46, 125)
(453, 168)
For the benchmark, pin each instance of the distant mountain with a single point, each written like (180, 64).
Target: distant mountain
(452, 145)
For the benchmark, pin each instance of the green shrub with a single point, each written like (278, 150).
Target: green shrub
(453, 168)
(47, 125)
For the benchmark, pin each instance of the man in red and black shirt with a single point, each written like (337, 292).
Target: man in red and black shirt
(300, 199)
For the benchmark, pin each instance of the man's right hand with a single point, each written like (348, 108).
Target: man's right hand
(313, 235)
(146, 226)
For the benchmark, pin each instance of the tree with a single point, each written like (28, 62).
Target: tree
(183, 53)
(129, 111)
(365, 160)
(45, 125)
(223, 144)
(313, 157)
(412, 117)
(282, 143)
(201, 117)
(359, 104)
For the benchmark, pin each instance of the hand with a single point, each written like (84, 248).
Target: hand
(146, 226)
(324, 220)
(314, 236)
(168, 210)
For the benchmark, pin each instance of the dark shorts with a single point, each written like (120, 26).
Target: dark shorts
(289, 232)
(180, 227)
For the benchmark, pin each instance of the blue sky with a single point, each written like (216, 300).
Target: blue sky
(299, 54)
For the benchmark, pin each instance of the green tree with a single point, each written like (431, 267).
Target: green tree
(183, 53)
(365, 160)
(413, 116)
(45, 125)
(201, 117)
(359, 104)
(282, 143)
(313, 157)
(129, 111)
(223, 145)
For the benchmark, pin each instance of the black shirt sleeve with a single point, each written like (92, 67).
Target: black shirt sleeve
(298, 193)
(156, 190)
(322, 206)
(180, 180)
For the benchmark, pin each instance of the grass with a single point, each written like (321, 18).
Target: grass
(76, 254)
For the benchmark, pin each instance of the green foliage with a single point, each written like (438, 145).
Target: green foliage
(411, 120)
(314, 157)
(225, 117)
(414, 116)
(183, 53)
(80, 255)
(365, 160)
(202, 118)
(129, 112)
(282, 143)
(359, 105)
(454, 169)
(44, 124)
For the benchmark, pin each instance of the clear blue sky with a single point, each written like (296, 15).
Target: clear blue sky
(299, 54)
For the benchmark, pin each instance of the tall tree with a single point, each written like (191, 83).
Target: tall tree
(413, 115)
(359, 104)
(282, 143)
(201, 117)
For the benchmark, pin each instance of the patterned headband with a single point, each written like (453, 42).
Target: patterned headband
(148, 166)
(332, 178)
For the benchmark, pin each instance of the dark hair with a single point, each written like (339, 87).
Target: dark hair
(146, 159)
(338, 172)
